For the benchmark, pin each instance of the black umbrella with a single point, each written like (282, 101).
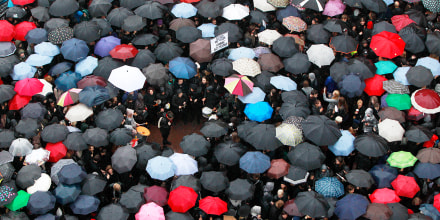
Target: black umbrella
(84, 205)
(285, 46)
(209, 9)
(15, 12)
(131, 4)
(240, 189)
(59, 35)
(93, 184)
(63, 8)
(360, 178)
(222, 67)
(351, 85)
(124, 159)
(214, 129)
(399, 211)
(195, 145)
(418, 134)
(188, 181)
(36, 36)
(100, 8)
(88, 31)
(244, 128)
(317, 5)
(34, 110)
(178, 216)
(112, 90)
(214, 181)
(363, 66)
(167, 51)
(106, 27)
(312, 204)
(112, 212)
(55, 23)
(144, 153)
(121, 136)
(258, 17)
(371, 145)
(145, 39)
(321, 130)
(317, 34)
(433, 43)
(7, 170)
(133, 23)
(27, 175)
(156, 74)
(6, 92)
(15, 216)
(40, 13)
(41, 202)
(6, 66)
(6, 157)
(93, 95)
(419, 76)
(338, 70)
(377, 6)
(344, 43)
(7, 49)
(188, 34)
(383, 26)
(54, 133)
(417, 16)
(335, 25)
(234, 31)
(6, 138)
(414, 38)
(297, 64)
(117, 16)
(228, 153)
(71, 174)
(105, 67)
(151, 10)
(27, 127)
(143, 58)
(354, 3)
(294, 97)
(66, 194)
(294, 109)
(109, 119)
(131, 201)
(75, 141)
(262, 80)
(262, 137)
(96, 137)
(59, 68)
(307, 156)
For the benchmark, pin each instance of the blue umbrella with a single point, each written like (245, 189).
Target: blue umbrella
(86, 66)
(286, 12)
(207, 29)
(38, 60)
(257, 95)
(85, 205)
(388, 2)
(22, 71)
(241, 52)
(47, 49)
(66, 194)
(259, 111)
(352, 206)
(344, 146)
(161, 168)
(183, 67)
(93, 95)
(400, 75)
(383, 175)
(254, 162)
(60, 68)
(105, 45)
(385, 67)
(184, 10)
(41, 202)
(67, 80)
(430, 63)
(351, 85)
(427, 170)
(74, 49)
(47, 216)
(329, 187)
(283, 83)
(430, 210)
(71, 174)
(36, 36)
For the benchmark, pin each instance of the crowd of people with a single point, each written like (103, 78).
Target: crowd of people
(308, 178)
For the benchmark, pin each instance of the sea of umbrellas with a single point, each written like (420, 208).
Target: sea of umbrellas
(75, 54)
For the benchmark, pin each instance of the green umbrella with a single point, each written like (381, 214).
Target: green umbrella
(20, 201)
(399, 101)
(401, 159)
(385, 67)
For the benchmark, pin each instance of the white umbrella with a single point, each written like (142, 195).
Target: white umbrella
(268, 36)
(38, 157)
(320, 55)
(185, 164)
(79, 112)
(289, 134)
(391, 130)
(48, 88)
(41, 184)
(235, 12)
(127, 78)
(20, 147)
(263, 5)
(246, 66)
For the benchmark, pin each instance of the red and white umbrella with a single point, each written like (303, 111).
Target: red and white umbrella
(426, 101)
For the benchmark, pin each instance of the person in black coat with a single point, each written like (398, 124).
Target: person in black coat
(179, 104)
(165, 126)
(194, 103)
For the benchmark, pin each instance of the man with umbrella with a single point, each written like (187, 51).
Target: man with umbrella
(164, 125)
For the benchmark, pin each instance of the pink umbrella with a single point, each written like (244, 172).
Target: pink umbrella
(333, 8)
(150, 211)
(401, 21)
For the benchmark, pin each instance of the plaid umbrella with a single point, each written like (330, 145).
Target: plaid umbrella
(394, 87)
(401, 159)
(294, 24)
(289, 134)
(329, 187)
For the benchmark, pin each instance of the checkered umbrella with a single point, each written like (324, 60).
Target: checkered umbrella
(394, 87)
(329, 187)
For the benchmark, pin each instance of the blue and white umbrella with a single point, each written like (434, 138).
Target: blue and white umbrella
(38, 60)
(254, 162)
(259, 111)
(257, 95)
(47, 49)
(241, 52)
(22, 71)
(86, 66)
(184, 10)
(207, 29)
(283, 83)
(183, 67)
(160, 168)
(344, 146)
(329, 187)
(430, 63)
(400, 75)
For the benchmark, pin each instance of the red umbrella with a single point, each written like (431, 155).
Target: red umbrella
(156, 194)
(22, 2)
(426, 101)
(57, 151)
(189, 1)
(182, 199)
(437, 202)
(278, 168)
(405, 186)
(414, 114)
(123, 52)
(22, 29)
(8, 31)
(213, 205)
(18, 102)
(385, 196)
(387, 44)
(401, 21)
(374, 85)
(28, 87)
(91, 80)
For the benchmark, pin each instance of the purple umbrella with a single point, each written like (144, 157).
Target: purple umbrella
(105, 45)
(261, 50)
(383, 102)
(333, 8)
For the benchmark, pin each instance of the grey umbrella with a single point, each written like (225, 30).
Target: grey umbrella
(360, 178)
(121, 136)
(321, 130)
(214, 181)
(377, 6)
(285, 46)
(131, 201)
(392, 113)
(75, 141)
(112, 212)
(99, 8)
(188, 34)
(214, 129)
(195, 145)
(27, 127)
(55, 23)
(399, 211)
(5, 157)
(7, 65)
(144, 153)
(228, 153)
(15, 12)
(317, 5)
(395, 87)
(7, 170)
(106, 27)
(34, 110)
(383, 26)
(40, 13)
(413, 36)
(167, 51)
(177, 23)
(312, 204)
(335, 25)
(244, 127)
(60, 68)
(258, 17)
(71, 174)
(54, 133)
(63, 8)
(93, 184)
(371, 145)
(338, 70)
(209, 9)
(351, 85)
(235, 33)
(145, 39)
(433, 43)
(96, 137)
(105, 67)
(156, 74)
(417, 16)
(15, 216)
(133, 23)
(178, 216)
(419, 76)
(88, 31)
(117, 16)
(151, 10)
(59, 35)
(109, 119)
(41, 202)
(143, 58)
(317, 34)
(6, 138)
(262, 137)
(294, 109)
(363, 66)
(418, 134)
(55, 169)
(124, 159)
(262, 80)
(6, 92)
(307, 156)
(112, 90)
(344, 43)
(7, 49)
(224, 3)
(36, 36)
(297, 64)
(294, 97)
(240, 189)
(187, 180)
(131, 4)
(27, 175)
(354, 3)
(222, 67)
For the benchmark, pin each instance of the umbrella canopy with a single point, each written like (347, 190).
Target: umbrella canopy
(28, 87)
(185, 165)
(214, 181)
(19, 201)
(143, 59)
(6, 138)
(432, 6)
(200, 50)
(401, 159)
(351, 85)
(177, 23)
(235, 12)
(117, 16)
(371, 145)
(344, 146)
(241, 52)
(22, 71)
(96, 137)
(6, 92)
(109, 119)
(156, 74)
(156, 194)
(182, 67)
(285, 47)
(182, 199)
(320, 55)
(144, 153)
(351, 206)
(333, 8)
(383, 26)
(213, 205)
(75, 141)
(360, 178)
(123, 51)
(405, 186)
(268, 36)
(294, 24)
(246, 66)
(121, 136)
(385, 67)
(187, 181)
(329, 187)
(93, 95)
(384, 196)
(263, 137)
(426, 101)
(88, 31)
(317, 34)
(387, 44)
(401, 21)
(150, 211)
(127, 78)
(427, 170)
(254, 162)
(124, 159)
(78, 112)
(99, 8)
(133, 23)
(93, 184)
(22, 28)
(188, 34)
(418, 134)
(38, 157)
(312, 204)
(71, 174)
(429, 155)
(15, 12)
(20, 147)
(394, 87)
(306, 156)
(57, 151)
(283, 83)
(184, 10)
(131, 201)
(315, 128)
(60, 34)
(195, 144)
(41, 202)
(112, 211)
(316, 5)
(431, 42)
(9, 33)
(378, 211)
(374, 85)
(85, 204)
(160, 168)
(430, 63)
(377, 6)
(54, 133)
(289, 134)
(239, 85)
(383, 175)
(297, 64)
(228, 153)
(145, 39)
(391, 130)
(66, 194)
(270, 62)
(399, 101)
(419, 76)
(28, 175)
(343, 44)
(167, 51)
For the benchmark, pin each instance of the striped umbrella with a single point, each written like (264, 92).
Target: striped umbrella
(329, 187)
(239, 85)
(289, 134)
(69, 97)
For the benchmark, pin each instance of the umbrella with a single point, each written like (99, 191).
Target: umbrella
(317, 34)
(112, 211)
(187, 181)
(431, 42)
(270, 62)
(178, 215)
(28, 175)
(47, 88)
(100, 8)
(7, 64)
(235, 33)
(235, 12)
(383, 175)
(55, 23)
(6, 138)
(362, 66)
(88, 31)
(360, 178)
(74, 49)
(6, 92)
(401, 21)
(214, 181)
(20, 201)
(36, 36)
(263, 5)
(127, 78)
(378, 211)
(405, 186)
(374, 85)
(167, 51)
(209, 9)
(178, 23)
(182, 199)
(278, 168)
(9, 33)
(387, 44)
(93, 184)
(15, 12)
(333, 8)
(131, 201)
(213, 205)
(133, 23)
(18, 102)
(399, 101)
(294, 24)
(432, 6)
(238, 85)
(69, 97)
(268, 36)
(344, 44)
(96, 137)
(383, 26)
(384, 196)
(38, 157)
(156, 194)
(312, 204)
(257, 95)
(145, 39)
(150, 211)
(289, 134)
(121, 136)
(184, 10)
(144, 153)
(214, 129)
(291, 209)
(156, 74)
(105, 67)
(297, 64)
(86, 66)
(286, 12)
(399, 211)
(5, 158)
(394, 87)
(228, 153)
(59, 68)
(285, 47)
(93, 95)
(254, 162)
(296, 175)
(315, 128)
(22, 28)
(8, 192)
(320, 55)
(391, 130)
(60, 34)
(185, 165)
(20, 147)
(7, 49)
(195, 144)
(54, 133)
(283, 83)
(85, 204)
(385, 67)
(41, 184)
(151, 10)
(22, 71)
(41, 202)
(207, 29)
(117, 16)
(143, 59)
(57, 151)
(418, 134)
(182, 67)
(263, 137)
(289, 109)
(160, 168)
(351, 85)
(316, 5)
(426, 101)
(419, 76)
(263, 81)
(66, 194)
(123, 52)
(430, 63)
(306, 156)
(329, 187)
(71, 174)
(55, 169)
(351, 206)
(371, 145)
(91, 81)
(377, 6)
(28, 87)
(124, 159)
(78, 112)
(241, 52)
(344, 146)
(429, 155)
(63, 8)
(401, 159)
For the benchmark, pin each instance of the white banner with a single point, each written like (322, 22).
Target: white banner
(219, 42)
